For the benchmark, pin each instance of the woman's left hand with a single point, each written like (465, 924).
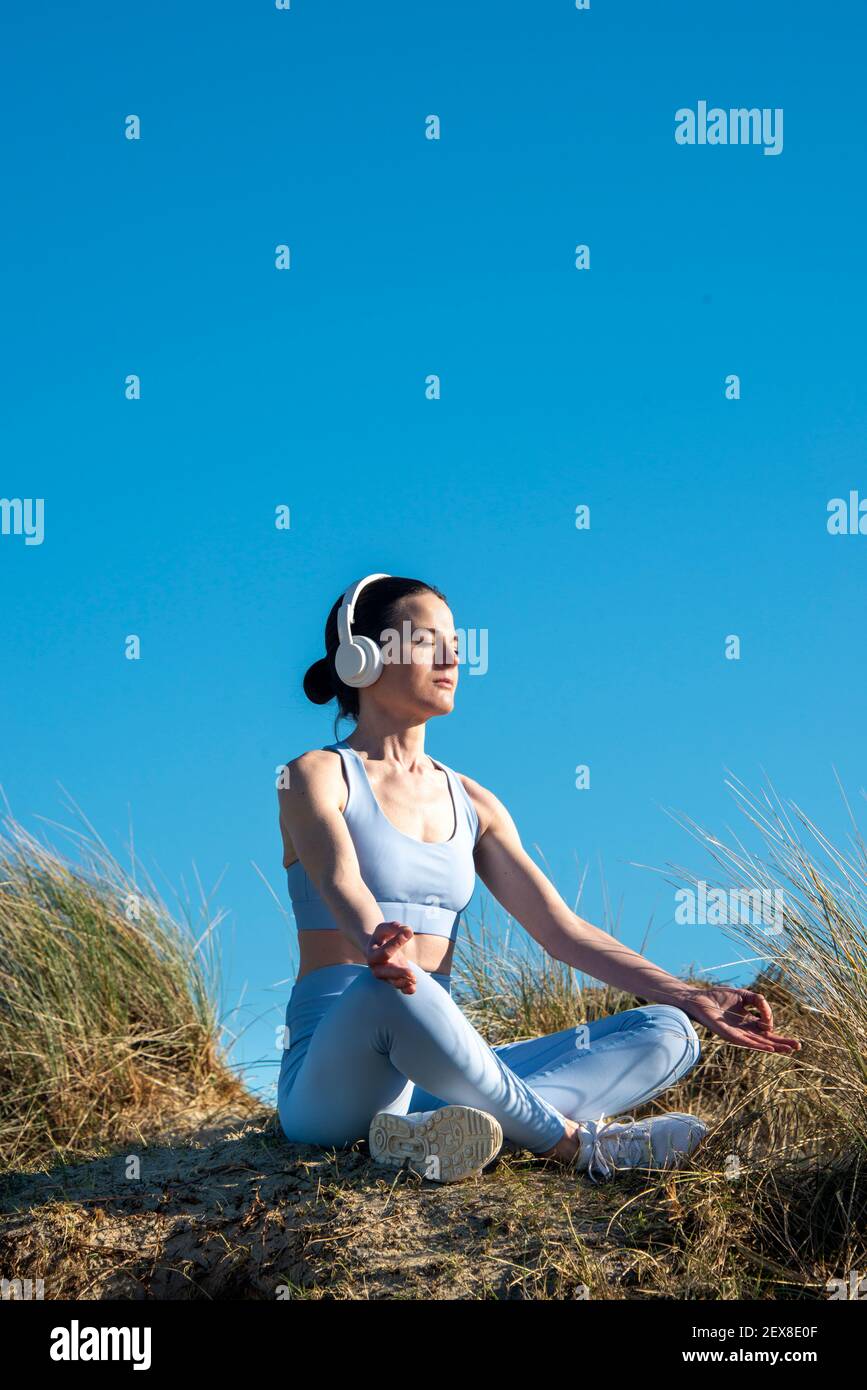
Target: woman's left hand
(740, 1016)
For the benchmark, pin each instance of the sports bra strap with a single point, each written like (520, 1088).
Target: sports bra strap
(460, 796)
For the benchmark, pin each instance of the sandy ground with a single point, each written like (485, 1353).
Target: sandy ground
(226, 1208)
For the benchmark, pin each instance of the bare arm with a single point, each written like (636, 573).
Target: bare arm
(310, 811)
(530, 897)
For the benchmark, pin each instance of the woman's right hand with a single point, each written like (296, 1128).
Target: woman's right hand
(385, 955)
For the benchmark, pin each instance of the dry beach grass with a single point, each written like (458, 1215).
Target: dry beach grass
(109, 1051)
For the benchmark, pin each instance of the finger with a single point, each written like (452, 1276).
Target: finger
(739, 1038)
(404, 983)
(384, 971)
(378, 953)
(397, 926)
(394, 974)
(394, 943)
(760, 1002)
(386, 930)
(779, 1038)
(756, 1028)
(386, 949)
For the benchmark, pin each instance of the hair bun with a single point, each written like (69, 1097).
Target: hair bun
(318, 682)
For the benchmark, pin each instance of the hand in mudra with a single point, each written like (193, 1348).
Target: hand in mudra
(742, 1017)
(385, 955)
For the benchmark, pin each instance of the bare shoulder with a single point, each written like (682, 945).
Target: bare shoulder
(309, 786)
(315, 775)
(489, 808)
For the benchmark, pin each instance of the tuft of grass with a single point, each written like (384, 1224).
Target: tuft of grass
(813, 944)
(108, 1020)
(511, 989)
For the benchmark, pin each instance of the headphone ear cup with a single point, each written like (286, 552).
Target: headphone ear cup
(372, 669)
(348, 662)
(358, 663)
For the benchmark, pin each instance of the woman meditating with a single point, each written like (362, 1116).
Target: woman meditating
(382, 845)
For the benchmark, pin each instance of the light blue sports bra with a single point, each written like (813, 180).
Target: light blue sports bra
(426, 886)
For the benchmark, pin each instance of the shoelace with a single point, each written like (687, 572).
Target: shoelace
(636, 1147)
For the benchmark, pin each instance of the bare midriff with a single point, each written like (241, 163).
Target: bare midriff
(430, 953)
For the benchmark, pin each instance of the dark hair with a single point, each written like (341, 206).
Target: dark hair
(374, 612)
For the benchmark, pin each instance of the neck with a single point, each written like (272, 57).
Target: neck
(387, 740)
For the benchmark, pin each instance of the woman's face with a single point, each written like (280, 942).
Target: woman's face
(420, 660)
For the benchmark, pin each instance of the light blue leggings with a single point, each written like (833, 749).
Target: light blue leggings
(356, 1045)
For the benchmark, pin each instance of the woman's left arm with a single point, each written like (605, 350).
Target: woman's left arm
(741, 1016)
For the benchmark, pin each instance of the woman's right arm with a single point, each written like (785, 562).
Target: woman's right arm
(310, 812)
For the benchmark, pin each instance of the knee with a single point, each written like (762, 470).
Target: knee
(670, 1019)
(369, 992)
(313, 1132)
(366, 991)
(369, 986)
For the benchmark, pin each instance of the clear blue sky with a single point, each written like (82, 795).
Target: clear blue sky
(306, 387)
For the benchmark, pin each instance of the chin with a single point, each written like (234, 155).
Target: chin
(431, 708)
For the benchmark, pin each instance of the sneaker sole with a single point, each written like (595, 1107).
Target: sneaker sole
(454, 1142)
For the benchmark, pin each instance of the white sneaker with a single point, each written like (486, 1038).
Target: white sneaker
(444, 1145)
(659, 1142)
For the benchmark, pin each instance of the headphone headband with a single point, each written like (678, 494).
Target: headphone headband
(350, 598)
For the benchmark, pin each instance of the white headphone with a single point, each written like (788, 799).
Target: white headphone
(358, 660)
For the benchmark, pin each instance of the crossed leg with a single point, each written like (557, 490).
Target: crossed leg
(608, 1067)
(377, 1049)
(372, 1048)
